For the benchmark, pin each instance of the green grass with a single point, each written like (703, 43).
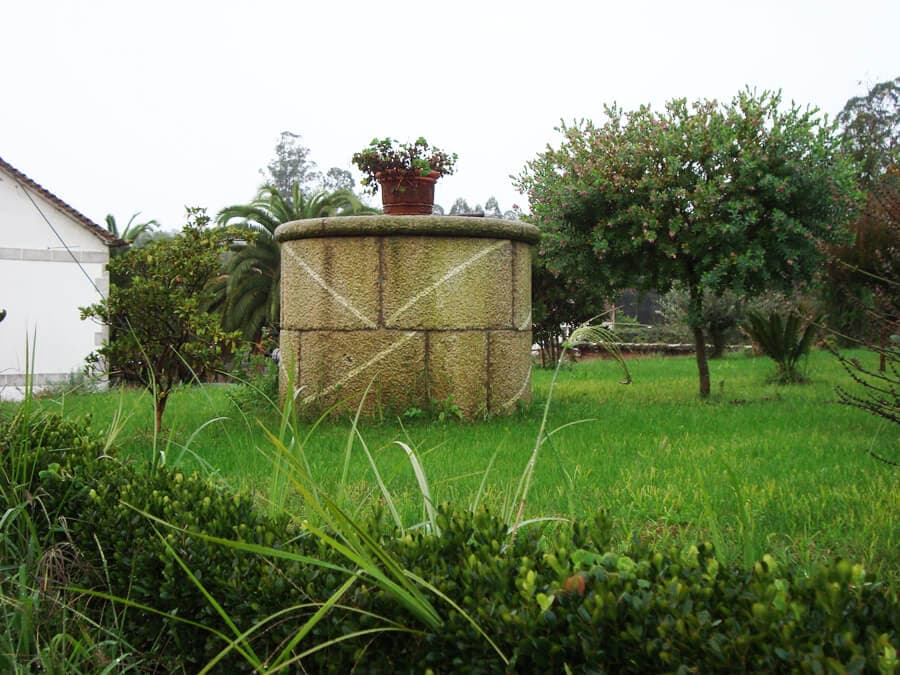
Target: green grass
(757, 468)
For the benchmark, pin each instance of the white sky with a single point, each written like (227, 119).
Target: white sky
(125, 106)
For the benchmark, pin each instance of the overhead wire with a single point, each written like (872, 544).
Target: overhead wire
(61, 240)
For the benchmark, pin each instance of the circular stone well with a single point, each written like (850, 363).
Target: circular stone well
(428, 310)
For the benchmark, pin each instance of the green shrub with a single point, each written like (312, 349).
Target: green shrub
(549, 600)
(783, 336)
(256, 375)
(33, 440)
(43, 626)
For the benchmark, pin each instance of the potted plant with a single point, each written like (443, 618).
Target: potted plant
(406, 173)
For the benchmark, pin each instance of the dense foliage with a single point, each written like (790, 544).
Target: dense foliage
(858, 274)
(133, 233)
(870, 270)
(718, 197)
(248, 290)
(785, 337)
(870, 127)
(720, 317)
(160, 332)
(388, 158)
(558, 304)
(548, 603)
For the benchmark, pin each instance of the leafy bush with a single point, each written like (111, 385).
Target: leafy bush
(548, 601)
(720, 317)
(257, 376)
(43, 626)
(33, 440)
(785, 337)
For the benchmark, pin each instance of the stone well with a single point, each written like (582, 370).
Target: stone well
(422, 307)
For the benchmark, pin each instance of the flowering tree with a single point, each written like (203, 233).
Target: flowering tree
(717, 197)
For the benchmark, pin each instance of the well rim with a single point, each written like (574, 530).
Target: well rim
(417, 226)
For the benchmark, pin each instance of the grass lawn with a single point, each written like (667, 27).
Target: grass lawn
(757, 468)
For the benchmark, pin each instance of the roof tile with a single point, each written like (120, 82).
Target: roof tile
(103, 234)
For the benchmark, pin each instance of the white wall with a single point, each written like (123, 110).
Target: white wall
(42, 287)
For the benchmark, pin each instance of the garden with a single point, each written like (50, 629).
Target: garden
(198, 515)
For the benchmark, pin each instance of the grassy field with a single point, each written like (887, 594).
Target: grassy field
(757, 468)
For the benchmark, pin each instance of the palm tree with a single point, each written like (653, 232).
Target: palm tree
(249, 288)
(134, 233)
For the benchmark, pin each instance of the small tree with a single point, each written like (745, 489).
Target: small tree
(162, 335)
(717, 197)
(290, 165)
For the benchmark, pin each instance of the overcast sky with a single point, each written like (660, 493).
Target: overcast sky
(122, 106)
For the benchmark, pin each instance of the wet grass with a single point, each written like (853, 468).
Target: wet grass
(756, 468)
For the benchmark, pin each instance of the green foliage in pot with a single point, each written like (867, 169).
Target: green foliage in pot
(386, 157)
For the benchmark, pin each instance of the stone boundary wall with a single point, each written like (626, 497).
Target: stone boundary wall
(420, 308)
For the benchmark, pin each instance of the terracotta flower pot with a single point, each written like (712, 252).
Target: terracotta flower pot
(407, 195)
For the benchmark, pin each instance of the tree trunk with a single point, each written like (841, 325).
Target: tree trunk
(717, 335)
(702, 361)
(161, 399)
(695, 314)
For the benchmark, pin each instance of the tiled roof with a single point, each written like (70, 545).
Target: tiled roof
(101, 233)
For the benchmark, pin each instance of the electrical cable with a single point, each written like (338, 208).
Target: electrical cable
(61, 240)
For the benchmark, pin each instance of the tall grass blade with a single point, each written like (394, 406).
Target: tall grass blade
(480, 493)
(287, 611)
(587, 332)
(348, 448)
(751, 552)
(419, 580)
(358, 546)
(388, 499)
(246, 648)
(314, 619)
(337, 640)
(422, 480)
(712, 519)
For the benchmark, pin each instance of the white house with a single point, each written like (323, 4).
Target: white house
(52, 261)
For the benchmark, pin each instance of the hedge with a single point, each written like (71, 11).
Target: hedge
(549, 600)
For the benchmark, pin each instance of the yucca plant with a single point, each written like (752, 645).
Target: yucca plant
(785, 336)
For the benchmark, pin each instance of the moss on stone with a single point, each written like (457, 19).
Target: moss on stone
(521, 288)
(418, 226)
(509, 370)
(337, 367)
(457, 368)
(444, 283)
(423, 308)
(330, 283)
